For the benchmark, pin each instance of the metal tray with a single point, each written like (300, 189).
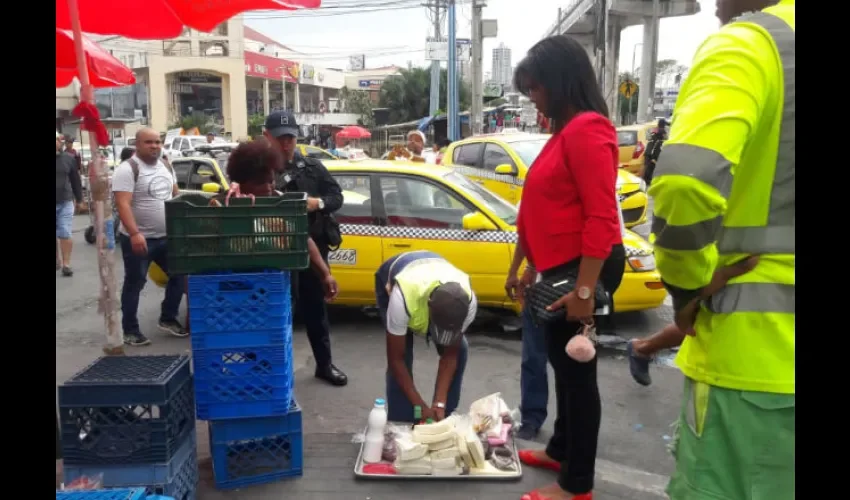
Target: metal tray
(516, 476)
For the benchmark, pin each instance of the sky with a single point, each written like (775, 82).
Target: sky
(395, 32)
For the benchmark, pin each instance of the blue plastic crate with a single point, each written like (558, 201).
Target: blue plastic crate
(126, 410)
(239, 310)
(243, 382)
(256, 450)
(121, 494)
(176, 478)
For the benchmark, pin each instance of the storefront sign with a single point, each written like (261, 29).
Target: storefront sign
(370, 84)
(307, 73)
(272, 68)
(197, 77)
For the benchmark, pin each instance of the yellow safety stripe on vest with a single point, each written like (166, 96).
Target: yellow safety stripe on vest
(778, 236)
(754, 297)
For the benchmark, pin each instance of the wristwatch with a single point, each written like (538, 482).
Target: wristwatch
(321, 204)
(441, 406)
(583, 292)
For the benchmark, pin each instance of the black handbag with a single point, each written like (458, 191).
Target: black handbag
(548, 290)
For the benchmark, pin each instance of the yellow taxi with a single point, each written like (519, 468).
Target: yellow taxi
(632, 140)
(315, 152)
(197, 174)
(500, 163)
(392, 207)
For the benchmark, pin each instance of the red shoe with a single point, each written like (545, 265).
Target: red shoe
(527, 457)
(536, 495)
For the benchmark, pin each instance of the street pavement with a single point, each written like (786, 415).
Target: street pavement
(633, 462)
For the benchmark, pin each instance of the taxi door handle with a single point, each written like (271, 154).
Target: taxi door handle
(400, 245)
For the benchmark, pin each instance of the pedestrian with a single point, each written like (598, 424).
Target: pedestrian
(141, 186)
(69, 194)
(127, 153)
(735, 437)
(416, 145)
(653, 150)
(571, 188)
(420, 294)
(210, 137)
(69, 149)
(324, 197)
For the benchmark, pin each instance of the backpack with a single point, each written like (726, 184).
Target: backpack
(135, 166)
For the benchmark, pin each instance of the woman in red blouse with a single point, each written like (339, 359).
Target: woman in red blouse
(569, 220)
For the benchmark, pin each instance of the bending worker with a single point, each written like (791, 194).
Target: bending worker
(421, 294)
(724, 193)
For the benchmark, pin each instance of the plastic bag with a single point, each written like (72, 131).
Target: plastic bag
(487, 414)
(86, 483)
(391, 433)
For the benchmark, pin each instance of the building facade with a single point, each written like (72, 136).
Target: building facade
(502, 69)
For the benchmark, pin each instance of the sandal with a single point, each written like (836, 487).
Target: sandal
(528, 458)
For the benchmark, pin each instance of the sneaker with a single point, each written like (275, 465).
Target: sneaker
(67, 272)
(173, 327)
(136, 339)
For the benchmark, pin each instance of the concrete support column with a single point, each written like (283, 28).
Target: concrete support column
(233, 107)
(648, 61)
(297, 98)
(321, 94)
(266, 98)
(158, 100)
(612, 59)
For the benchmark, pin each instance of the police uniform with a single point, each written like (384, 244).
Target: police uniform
(735, 115)
(309, 175)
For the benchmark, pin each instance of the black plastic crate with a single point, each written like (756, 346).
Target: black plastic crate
(127, 410)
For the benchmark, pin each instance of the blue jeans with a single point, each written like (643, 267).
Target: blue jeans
(534, 379)
(64, 219)
(135, 277)
(399, 408)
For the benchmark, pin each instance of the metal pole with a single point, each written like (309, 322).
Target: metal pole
(476, 117)
(434, 103)
(452, 76)
(630, 115)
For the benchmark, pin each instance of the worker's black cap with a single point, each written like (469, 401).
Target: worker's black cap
(280, 123)
(449, 306)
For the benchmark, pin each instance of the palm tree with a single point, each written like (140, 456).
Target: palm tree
(408, 94)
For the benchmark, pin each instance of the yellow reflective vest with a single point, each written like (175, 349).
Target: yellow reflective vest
(724, 189)
(418, 279)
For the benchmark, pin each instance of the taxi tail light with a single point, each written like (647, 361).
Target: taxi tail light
(654, 285)
(638, 151)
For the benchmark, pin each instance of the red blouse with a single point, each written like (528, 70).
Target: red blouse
(569, 201)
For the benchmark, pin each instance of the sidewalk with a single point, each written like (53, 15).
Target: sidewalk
(632, 460)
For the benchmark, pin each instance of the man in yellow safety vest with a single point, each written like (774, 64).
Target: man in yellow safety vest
(724, 193)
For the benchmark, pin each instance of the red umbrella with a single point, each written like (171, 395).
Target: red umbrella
(142, 20)
(104, 69)
(353, 132)
(156, 19)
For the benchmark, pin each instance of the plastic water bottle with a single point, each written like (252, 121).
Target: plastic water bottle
(373, 446)
(110, 233)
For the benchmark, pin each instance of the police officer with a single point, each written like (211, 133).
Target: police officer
(324, 197)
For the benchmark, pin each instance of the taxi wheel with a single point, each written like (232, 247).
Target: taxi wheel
(89, 235)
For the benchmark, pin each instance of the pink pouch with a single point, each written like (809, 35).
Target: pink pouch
(503, 437)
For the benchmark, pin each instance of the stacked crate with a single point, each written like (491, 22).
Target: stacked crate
(114, 494)
(242, 328)
(131, 419)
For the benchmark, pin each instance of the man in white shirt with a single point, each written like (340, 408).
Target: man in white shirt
(141, 186)
(421, 294)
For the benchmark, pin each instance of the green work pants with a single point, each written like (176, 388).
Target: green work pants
(733, 445)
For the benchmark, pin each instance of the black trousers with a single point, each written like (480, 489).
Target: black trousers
(312, 309)
(579, 407)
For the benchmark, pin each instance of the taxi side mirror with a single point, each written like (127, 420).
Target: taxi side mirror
(506, 169)
(477, 221)
(211, 187)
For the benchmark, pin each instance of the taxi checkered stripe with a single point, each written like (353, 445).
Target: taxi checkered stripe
(426, 233)
(481, 173)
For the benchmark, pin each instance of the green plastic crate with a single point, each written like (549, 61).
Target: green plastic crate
(271, 234)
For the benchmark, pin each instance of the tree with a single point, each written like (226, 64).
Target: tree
(357, 102)
(408, 94)
(255, 125)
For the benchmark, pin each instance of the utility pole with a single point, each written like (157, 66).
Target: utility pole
(452, 98)
(476, 118)
(434, 103)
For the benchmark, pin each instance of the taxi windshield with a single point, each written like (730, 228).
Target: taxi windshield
(499, 206)
(528, 150)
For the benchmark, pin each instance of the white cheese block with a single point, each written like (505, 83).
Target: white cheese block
(408, 450)
(442, 445)
(463, 451)
(432, 438)
(452, 453)
(443, 463)
(476, 449)
(418, 467)
(434, 428)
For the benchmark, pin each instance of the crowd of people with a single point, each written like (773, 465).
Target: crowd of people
(732, 282)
